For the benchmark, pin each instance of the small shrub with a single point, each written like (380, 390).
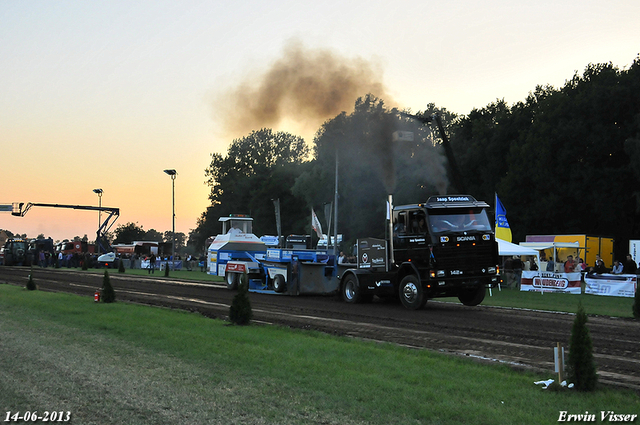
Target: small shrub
(240, 312)
(166, 269)
(108, 294)
(121, 266)
(582, 368)
(30, 285)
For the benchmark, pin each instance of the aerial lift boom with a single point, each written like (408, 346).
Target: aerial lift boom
(20, 209)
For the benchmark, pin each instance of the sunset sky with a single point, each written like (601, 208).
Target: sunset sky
(108, 94)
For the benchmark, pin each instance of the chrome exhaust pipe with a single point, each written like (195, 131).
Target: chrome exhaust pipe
(391, 261)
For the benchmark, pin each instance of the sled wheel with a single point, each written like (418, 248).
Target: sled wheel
(279, 285)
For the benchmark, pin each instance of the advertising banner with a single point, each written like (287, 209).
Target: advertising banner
(160, 265)
(615, 285)
(550, 282)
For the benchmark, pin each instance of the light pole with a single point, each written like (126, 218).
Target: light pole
(172, 174)
(99, 193)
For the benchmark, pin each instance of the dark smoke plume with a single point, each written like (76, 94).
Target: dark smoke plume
(306, 86)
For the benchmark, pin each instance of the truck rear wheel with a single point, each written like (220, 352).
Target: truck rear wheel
(411, 292)
(279, 285)
(232, 280)
(351, 292)
(472, 296)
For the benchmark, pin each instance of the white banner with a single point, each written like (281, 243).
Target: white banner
(569, 283)
(615, 285)
(160, 265)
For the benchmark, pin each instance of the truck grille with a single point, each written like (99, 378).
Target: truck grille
(465, 257)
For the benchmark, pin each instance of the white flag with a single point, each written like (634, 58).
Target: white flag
(315, 223)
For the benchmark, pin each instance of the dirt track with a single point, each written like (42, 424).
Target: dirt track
(521, 338)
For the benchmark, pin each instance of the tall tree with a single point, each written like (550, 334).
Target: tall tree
(180, 239)
(257, 169)
(563, 160)
(153, 235)
(127, 233)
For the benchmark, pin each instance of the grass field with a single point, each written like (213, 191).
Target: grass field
(123, 363)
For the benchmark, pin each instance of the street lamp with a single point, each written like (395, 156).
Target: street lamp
(99, 193)
(172, 174)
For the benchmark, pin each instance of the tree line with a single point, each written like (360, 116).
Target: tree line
(563, 161)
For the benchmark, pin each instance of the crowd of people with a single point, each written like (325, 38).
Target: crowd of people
(46, 258)
(577, 264)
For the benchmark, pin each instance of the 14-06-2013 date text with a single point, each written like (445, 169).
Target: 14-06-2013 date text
(53, 416)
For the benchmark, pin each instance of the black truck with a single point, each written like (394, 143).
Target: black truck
(445, 247)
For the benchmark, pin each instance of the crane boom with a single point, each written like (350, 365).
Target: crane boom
(20, 209)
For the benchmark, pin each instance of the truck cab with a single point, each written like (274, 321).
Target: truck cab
(444, 247)
(450, 245)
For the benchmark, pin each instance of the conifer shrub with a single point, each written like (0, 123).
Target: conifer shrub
(166, 269)
(240, 312)
(582, 368)
(120, 266)
(31, 286)
(108, 294)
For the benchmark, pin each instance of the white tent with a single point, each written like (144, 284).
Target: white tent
(508, 248)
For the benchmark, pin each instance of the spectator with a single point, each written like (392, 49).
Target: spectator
(617, 267)
(629, 266)
(342, 258)
(152, 263)
(582, 265)
(533, 265)
(551, 266)
(599, 268)
(569, 266)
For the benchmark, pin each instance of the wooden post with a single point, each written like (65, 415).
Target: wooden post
(558, 352)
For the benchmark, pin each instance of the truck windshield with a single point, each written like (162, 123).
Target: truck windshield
(460, 221)
(237, 225)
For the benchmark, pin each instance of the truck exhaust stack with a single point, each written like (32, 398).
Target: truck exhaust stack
(391, 261)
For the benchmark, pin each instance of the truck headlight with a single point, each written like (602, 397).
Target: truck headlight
(440, 273)
(492, 270)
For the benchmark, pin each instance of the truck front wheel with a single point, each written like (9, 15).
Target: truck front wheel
(411, 292)
(472, 296)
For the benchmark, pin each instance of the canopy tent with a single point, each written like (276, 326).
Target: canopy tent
(508, 248)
